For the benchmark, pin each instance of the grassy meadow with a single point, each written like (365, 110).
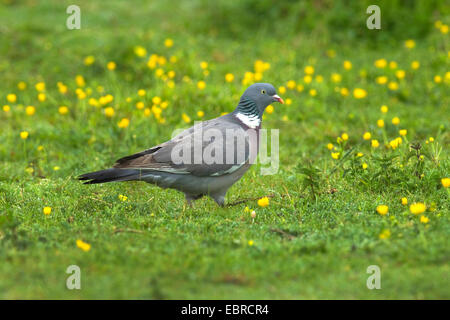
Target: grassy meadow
(364, 149)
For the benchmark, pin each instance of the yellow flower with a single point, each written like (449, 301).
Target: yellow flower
(417, 208)
(168, 42)
(403, 132)
(385, 234)
(330, 146)
(62, 88)
(415, 65)
(56, 168)
(109, 112)
(344, 92)
(11, 98)
(63, 110)
(6, 108)
(384, 109)
(344, 136)
(375, 143)
(204, 65)
(393, 85)
(111, 65)
(381, 80)
(365, 166)
(404, 201)
(382, 209)
(291, 84)
(282, 90)
(347, 65)
(250, 243)
(140, 51)
(263, 202)
(186, 118)
(40, 86)
(380, 123)
(410, 44)
(89, 60)
(47, 210)
(400, 74)
(431, 139)
(83, 245)
(395, 120)
(229, 77)
(424, 219)
(171, 74)
(380, 63)
(307, 79)
(300, 87)
(336, 77)
(164, 104)
(360, 154)
(444, 29)
(122, 197)
(313, 92)
(40, 148)
(319, 78)
(22, 85)
(445, 182)
(367, 136)
(30, 110)
(269, 109)
(359, 93)
(156, 100)
(335, 155)
(125, 122)
(24, 135)
(42, 97)
(393, 65)
(394, 143)
(200, 114)
(309, 70)
(437, 79)
(288, 101)
(201, 85)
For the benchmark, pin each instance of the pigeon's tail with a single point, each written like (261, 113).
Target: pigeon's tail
(110, 175)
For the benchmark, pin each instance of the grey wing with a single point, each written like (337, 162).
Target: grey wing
(211, 148)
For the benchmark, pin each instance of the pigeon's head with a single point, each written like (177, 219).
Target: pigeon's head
(261, 95)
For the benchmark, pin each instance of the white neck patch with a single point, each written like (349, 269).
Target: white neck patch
(251, 121)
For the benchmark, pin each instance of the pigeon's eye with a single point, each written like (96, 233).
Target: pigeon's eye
(263, 91)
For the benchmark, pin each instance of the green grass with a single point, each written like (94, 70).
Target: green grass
(306, 244)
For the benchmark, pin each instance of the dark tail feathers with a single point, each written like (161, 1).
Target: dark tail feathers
(110, 175)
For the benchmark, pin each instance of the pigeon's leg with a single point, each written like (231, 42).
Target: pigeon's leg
(219, 198)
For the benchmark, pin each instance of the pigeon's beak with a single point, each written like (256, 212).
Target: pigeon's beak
(278, 98)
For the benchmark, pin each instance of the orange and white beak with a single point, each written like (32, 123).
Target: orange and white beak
(278, 98)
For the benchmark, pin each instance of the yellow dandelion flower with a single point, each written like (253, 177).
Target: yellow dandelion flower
(269, 109)
(335, 155)
(11, 98)
(89, 60)
(63, 110)
(382, 209)
(40, 86)
(365, 166)
(400, 74)
(393, 85)
(201, 85)
(344, 136)
(6, 108)
(417, 208)
(380, 123)
(263, 202)
(309, 70)
(200, 114)
(359, 93)
(109, 112)
(111, 65)
(445, 182)
(21, 85)
(313, 92)
(424, 219)
(83, 245)
(415, 65)
(437, 79)
(168, 42)
(291, 84)
(444, 29)
(186, 118)
(395, 120)
(56, 168)
(384, 109)
(204, 65)
(42, 97)
(375, 143)
(336, 77)
(140, 51)
(330, 146)
(410, 44)
(307, 79)
(300, 87)
(24, 135)
(347, 65)
(344, 92)
(385, 234)
(30, 110)
(393, 65)
(367, 136)
(404, 201)
(403, 132)
(360, 154)
(171, 74)
(250, 242)
(288, 101)
(229, 77)
(282, 90)
(123, 123)
(381, 80)
(380, 63)
(47, 210)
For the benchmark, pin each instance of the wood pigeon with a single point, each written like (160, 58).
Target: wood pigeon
(206, 159)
